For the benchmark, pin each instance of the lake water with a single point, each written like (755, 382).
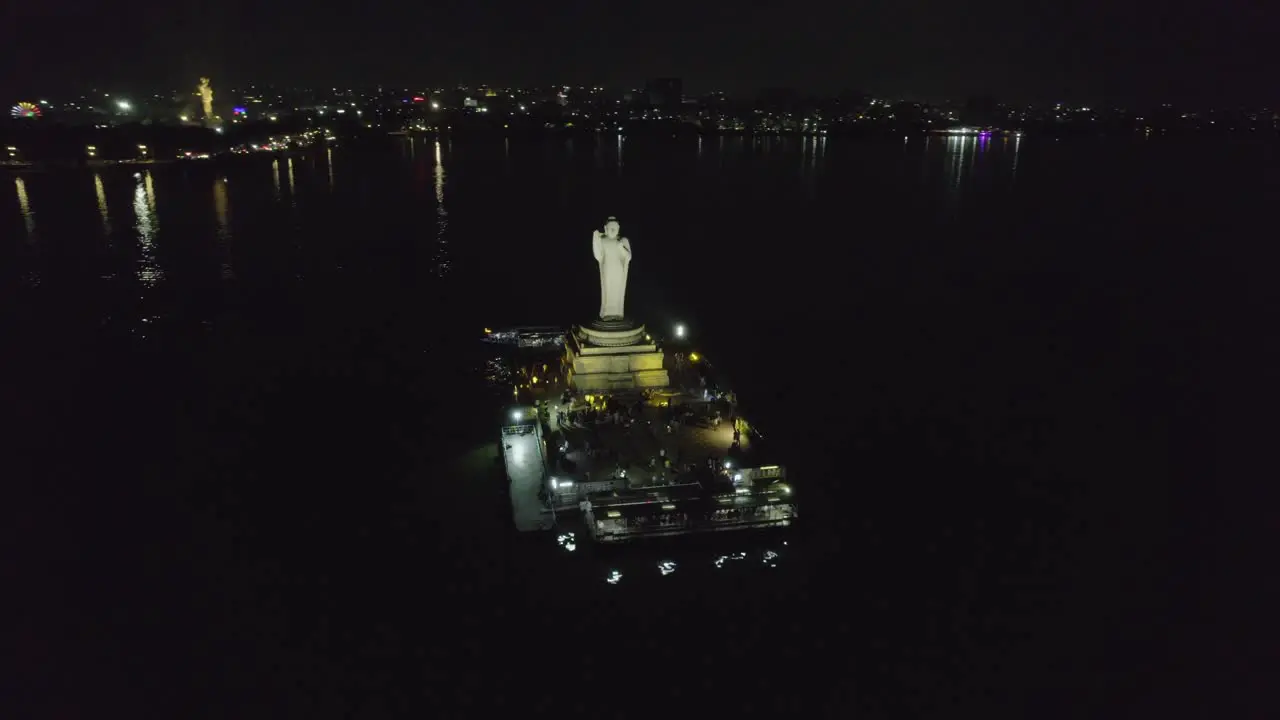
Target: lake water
(996, 368)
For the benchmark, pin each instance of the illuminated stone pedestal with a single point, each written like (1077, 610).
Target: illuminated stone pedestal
(613, 354)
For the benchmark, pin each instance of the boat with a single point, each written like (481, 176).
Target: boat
(527, 337)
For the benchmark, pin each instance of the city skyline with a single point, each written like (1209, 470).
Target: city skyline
(640, 93)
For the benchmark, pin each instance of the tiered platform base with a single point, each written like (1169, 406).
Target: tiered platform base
(614, 354)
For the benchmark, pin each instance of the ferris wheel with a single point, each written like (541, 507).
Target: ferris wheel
(25, 110)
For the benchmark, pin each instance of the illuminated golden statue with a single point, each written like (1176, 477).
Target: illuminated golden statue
(205, 91)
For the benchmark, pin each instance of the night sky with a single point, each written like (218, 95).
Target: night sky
(1098, 51)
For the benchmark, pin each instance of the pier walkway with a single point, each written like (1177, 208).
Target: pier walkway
(522, 455)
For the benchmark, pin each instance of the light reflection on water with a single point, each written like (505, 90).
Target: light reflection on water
(1017, 143)
(949, 163)
(31, 276)
(24, 206)
(967, 159)
(102, 205)
(957, 148)
(664, 562)
(645, 567)
(442, 260)
(148, 227)
(224, 228)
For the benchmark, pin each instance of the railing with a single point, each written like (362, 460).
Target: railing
(667, 530)
(535, 429)
(546, 471)
(619, 529)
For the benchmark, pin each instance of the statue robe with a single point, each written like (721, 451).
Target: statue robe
(614, 257)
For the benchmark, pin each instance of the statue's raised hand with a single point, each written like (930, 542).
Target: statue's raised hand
(597, 235)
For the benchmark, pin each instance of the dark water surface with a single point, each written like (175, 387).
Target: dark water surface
(1004, 374)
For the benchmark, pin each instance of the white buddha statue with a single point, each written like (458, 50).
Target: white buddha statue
(614, 255)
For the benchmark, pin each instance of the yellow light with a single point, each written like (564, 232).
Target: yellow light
(535, 379)
(614, 513)
(693, 357)
(487, 331)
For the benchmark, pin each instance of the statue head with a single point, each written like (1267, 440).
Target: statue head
(611, 228)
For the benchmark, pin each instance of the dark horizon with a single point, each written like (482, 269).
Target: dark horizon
(1086, 52)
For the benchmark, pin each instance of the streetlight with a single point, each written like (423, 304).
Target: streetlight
(124, 105)
(680, 331)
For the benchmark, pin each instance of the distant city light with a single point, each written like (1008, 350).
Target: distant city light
(124, 105)
(238, 111)
(680, 331)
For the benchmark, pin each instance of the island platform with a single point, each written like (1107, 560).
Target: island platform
(648, 448)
